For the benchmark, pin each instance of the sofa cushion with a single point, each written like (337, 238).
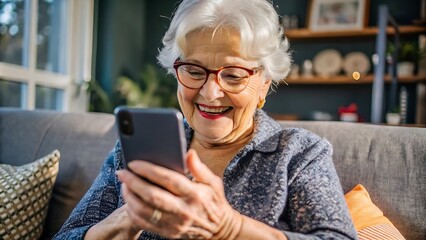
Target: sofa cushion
(368, 219)
(25, 192)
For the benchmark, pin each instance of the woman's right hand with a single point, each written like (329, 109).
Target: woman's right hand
(116, 226)
(173, 206)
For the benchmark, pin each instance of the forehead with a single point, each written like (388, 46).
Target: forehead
(222, 39)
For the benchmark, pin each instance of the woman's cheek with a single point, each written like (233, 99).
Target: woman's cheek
(179, 94)
(186, 98)
(247, 99)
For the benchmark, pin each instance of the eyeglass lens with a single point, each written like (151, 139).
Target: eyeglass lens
(231, 79)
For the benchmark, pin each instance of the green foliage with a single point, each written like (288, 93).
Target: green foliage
(152, 89)
(408, 51)
(395, 110)
(99, 99)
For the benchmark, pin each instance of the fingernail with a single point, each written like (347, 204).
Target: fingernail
(131, 164)
(119, 173)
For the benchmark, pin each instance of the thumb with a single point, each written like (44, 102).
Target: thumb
(199, 170)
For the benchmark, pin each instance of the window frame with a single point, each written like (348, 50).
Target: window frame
(78, 58)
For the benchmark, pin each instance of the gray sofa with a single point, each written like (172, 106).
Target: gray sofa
(84, 141)
(388, 161)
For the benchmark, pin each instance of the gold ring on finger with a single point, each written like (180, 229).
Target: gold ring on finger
(155, 217)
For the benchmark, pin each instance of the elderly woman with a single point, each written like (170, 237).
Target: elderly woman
(250, 178)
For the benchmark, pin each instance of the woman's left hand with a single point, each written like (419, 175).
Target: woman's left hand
(178, 207)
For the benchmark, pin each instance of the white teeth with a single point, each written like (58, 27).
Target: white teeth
(213, 110)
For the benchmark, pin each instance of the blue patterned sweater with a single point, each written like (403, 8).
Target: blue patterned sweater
(284, 178)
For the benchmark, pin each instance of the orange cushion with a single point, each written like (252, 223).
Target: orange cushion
(368, 219)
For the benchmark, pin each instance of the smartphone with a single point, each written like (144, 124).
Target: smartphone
(152, 134)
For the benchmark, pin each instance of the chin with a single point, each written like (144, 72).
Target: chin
(213, 135)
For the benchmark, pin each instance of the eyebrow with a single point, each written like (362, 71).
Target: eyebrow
(195, 61)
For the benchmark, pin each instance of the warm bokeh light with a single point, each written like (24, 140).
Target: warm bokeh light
(356, 75)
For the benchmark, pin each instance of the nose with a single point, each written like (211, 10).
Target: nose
(211, 89)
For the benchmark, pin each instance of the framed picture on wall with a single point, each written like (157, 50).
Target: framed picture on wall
(337, 15)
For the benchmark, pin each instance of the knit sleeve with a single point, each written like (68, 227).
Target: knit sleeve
(99, 201)
(316, 205)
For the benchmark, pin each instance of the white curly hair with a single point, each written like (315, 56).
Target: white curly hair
(262, 37)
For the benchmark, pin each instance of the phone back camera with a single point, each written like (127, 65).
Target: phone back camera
(125, 122)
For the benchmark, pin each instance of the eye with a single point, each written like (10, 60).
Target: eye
(193, 72)
(233, 79)
(234, 75)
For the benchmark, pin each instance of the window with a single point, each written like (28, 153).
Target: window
(45, 53)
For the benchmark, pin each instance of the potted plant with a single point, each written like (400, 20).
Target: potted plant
(152, 89)
(409, 55)
(393, 117)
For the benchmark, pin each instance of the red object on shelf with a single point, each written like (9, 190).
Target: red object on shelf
(352, 108)
(349, 113)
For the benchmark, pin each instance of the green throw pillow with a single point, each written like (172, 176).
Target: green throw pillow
(24, 196)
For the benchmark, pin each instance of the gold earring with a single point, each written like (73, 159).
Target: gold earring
(261, 104)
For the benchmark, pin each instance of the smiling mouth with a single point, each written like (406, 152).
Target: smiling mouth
(213, 110)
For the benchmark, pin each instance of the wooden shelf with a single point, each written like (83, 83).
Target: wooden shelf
(305, 33)
(342, 79)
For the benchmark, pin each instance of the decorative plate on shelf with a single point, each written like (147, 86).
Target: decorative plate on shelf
(356, 62)
(327, 62)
